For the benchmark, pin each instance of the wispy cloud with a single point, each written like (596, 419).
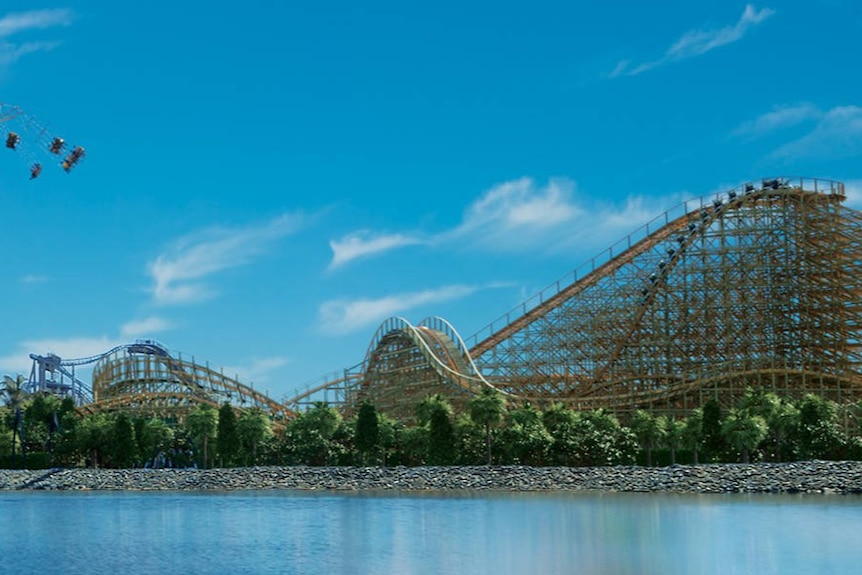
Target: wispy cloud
(365, 243)
(520, 216)
(145, 327)
(342, 316)
(34, 279)
(179, 274)
(778, 118)
(515, 212)
(838, 134)
(20, 22)
(697, 42)
(513, 215)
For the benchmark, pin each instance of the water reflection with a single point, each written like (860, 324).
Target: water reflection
(278, 532)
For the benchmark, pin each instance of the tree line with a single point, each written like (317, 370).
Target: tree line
(41, 430)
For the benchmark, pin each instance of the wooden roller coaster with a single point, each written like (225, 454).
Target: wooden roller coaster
(757, 287)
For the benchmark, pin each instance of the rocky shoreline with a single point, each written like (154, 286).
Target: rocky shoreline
(828, 477)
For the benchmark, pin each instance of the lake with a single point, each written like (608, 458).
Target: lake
(130, 533)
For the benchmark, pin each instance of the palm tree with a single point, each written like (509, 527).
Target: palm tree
(744, 431)
(202, 423)
(14, 397)
(650, 431)
(487, 409)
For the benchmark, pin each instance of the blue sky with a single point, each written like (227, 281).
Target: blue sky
(266, 182)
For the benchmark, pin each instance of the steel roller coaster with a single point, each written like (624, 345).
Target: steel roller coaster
(757, 287)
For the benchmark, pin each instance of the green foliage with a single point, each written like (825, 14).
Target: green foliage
(254, 431)
(94, 438)
(712, 443)
(227, 437)
(674, 436)
(818, 434)
(201, 424)
(597, 439)
(744, 431)
(649, 430)
(311, 438)
(123, 448)
(367, 432)
(487, 409)
(692, 433)
(155, 438)
(524, 437)
(434, 413)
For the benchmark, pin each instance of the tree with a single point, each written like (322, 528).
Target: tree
(712, 438)
(311, 437)
(15, 396)
(367, 432)
(524, 437)
(675, 431)
(93, 437)
(202, 423)
(781, 416)
(227, 438)
(487, 409)
(154, 437)
(744, 431)
(435, 413)
(601, 440)
(253, 428)
(818, 434)
(567, 433)
(649, 430)
(122, 446)
(692, 434)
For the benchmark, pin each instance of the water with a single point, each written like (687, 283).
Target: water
(288, 532)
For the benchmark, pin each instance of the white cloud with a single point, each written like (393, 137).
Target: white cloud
(342, 316)
(144, 327)
(519, 216)
(516, 214)
(697, 42)
(780, 117)
(260, 370)
(18, 22)
(364, 244)
(838, 134)
(178, 275)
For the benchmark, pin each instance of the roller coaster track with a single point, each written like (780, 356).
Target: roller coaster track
(757, 286)
(144, 377)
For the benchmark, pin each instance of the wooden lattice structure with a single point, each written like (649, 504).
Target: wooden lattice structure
(757, 287)
(145, 379)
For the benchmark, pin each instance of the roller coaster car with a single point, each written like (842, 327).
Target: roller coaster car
(12, 140)
(35, 170)
(56, 145)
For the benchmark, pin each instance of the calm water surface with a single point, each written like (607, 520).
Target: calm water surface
(288, 532)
